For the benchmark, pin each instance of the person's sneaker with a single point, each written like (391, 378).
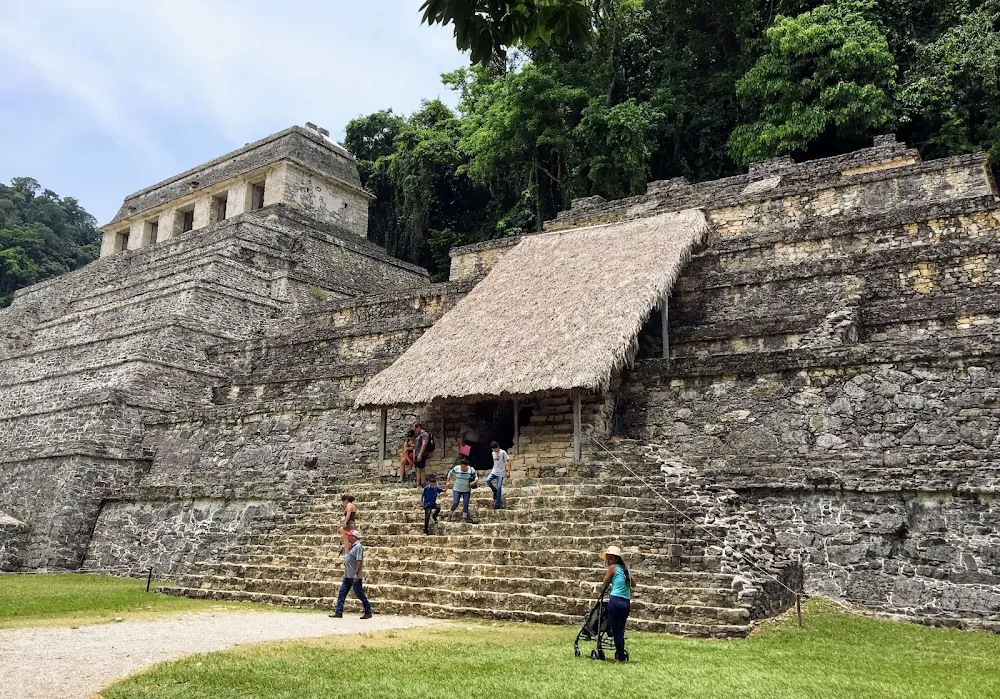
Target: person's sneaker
(336, 616)
(367, 616)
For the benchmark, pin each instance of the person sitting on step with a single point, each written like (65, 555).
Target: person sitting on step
(464, 478)
(428, 500)
(350, 516)
(406, 458)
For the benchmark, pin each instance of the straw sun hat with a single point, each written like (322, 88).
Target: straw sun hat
(612, 551)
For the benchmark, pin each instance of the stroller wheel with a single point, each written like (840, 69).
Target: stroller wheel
(576, 652)
(625, 652)
(597, 654)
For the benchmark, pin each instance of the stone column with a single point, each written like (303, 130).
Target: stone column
(274, 185)
(170, 224)
(239, 199)
(138, 235)
(108, 243)
(202, 213)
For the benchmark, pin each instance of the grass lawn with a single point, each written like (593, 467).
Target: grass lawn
(73, 599)
(835, 655)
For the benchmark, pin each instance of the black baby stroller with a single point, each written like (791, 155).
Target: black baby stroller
(595, 628)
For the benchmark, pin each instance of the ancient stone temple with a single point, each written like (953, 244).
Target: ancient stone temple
(781, 380)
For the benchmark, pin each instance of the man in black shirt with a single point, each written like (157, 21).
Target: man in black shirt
(420, 453)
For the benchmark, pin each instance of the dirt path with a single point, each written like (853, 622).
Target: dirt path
(64, 663)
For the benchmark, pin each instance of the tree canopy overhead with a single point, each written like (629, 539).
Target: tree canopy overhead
(487, 28)
(41, 235)
(571, 98)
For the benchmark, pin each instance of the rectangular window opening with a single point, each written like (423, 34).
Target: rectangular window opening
(187, 222)
(219, 207)
(257, 196)
(121, 241)
(154, 230)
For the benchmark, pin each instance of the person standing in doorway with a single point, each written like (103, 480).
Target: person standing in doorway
(619, 580)
(471, 434)
(353, 564)
(500, 473)
(461, 479)
(421, 453)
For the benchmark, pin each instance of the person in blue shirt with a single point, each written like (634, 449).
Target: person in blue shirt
(619, 580)
(428, 499)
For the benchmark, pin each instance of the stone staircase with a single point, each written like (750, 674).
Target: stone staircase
(535, 560)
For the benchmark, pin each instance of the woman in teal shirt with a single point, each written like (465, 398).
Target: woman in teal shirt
(619, 580)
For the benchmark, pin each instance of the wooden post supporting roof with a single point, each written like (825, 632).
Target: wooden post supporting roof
(517, 426)
(577, 427)
(383, 418)
(665, 326)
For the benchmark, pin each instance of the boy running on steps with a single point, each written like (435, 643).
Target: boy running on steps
(428, 501)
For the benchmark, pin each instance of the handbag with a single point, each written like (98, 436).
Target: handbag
(465, 449)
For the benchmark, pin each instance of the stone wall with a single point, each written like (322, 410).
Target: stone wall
(834, 364)
(88, 357)
(282, 432)
(13, 542)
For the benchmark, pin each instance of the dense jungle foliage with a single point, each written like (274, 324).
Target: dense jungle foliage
(41, 235)
(664, 88)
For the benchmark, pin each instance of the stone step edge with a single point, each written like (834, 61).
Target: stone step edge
(551, 618)
(487, 582)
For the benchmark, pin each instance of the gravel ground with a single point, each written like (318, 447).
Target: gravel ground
(64, 663)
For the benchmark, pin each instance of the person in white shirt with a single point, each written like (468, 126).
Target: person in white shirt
(500, 472)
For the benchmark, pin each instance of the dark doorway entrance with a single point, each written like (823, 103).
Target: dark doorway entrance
(496, 420)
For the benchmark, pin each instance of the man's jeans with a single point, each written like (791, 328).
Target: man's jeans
(497, 491)
(455, 496)
(359, 592)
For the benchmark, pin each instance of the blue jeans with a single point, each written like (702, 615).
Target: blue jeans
(618, 609)
(359, 592)
(455, 496)
(497, 491)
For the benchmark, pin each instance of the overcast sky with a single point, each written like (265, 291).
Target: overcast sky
(100, 98)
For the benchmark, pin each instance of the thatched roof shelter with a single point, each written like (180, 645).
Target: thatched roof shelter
(560, 311)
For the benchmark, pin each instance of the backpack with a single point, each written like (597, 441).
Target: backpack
(430, 443)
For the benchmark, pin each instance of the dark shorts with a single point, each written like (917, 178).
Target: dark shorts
(421, 463)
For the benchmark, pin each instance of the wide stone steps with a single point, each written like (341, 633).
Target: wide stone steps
(330, 557)
(481, 594)
(588, 585)
(446, 611)
(534, 559)
(496, 536)
(644, 569)
(606, 520)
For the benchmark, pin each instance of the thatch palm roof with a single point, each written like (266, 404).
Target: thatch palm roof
(559, 311)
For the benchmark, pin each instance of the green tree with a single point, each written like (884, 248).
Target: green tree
(487, 28)
(825, 82)
(951, 98)
(41, 235)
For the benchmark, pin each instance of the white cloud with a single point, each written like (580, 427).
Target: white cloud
(238, 70)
